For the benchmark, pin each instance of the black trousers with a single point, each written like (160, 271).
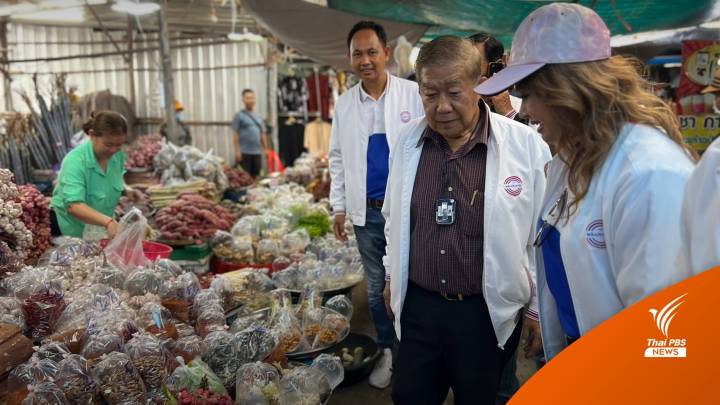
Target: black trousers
(252, 164)
(448, 344)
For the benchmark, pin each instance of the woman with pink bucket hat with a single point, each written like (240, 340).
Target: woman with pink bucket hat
(609, 233)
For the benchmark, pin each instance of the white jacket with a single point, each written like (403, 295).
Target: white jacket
(701, 214)
(621, 243)
(349, 142)
(509, 260)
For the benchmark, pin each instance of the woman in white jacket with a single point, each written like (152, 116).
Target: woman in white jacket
(609, 234)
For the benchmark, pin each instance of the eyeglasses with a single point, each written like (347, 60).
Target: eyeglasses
(544, 230)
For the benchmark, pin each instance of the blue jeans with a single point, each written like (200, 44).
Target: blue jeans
(371, 243)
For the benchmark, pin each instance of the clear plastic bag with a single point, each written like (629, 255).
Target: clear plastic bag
(248, 227)
(291, 277)
(342, 305)
(332, 367)
(149, 358)
(205, 298)
(10, 261)
(310, 297)
(234, 250)
(188, 347)
(41, 293)
(220, 353)
(257, 384)
(195, 375)
(210, 319)
(249, 321)
(304, 386)
(225, 291)
(119, 380)
(295, 242)
(167, 267)
(289, 329)
(70, 250)
(334, 327)
(112, 276)
(164, 159)
(251, 288)
(273, 227)
(154, 314)
(11, 312)
(143, 281)
(312, 322)
(76, 381)
(267, 250)
(118, 319)
(255, 343)
(54, 351)
(46, 393)
(184, 287)
(281, 263)
(126, 250)
(34, 371)
(101, 343)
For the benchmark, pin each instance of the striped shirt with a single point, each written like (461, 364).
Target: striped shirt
(449, 258)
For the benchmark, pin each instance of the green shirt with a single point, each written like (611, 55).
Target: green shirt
(81, 180)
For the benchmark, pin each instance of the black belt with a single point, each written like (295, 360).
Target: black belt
(454, 297)
(375, 203)
(447, 296)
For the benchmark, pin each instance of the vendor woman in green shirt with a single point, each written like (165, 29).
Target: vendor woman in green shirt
(91, 178)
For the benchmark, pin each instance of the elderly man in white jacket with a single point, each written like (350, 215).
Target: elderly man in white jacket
(462, 200)
(364, 133)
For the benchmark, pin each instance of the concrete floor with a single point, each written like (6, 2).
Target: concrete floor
(362, 393)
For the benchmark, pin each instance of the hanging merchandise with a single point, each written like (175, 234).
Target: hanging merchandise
(319, 93)
(291, 138)
(699, 93)
(317, 137)
(292, 95)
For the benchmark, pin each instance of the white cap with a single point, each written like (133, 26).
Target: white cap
(556, 33)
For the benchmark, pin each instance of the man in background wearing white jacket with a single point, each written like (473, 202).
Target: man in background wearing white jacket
(701, 214)
(463, 196)
(364, 133)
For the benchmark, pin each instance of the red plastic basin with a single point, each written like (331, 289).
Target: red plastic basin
(152, 250)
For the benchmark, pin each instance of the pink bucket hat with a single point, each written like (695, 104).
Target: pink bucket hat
(556, 33)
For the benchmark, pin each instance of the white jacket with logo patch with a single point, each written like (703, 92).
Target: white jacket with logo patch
(349, 142)
(514, 188)
(621, 243)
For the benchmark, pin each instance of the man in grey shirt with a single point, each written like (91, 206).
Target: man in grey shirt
(249, 134)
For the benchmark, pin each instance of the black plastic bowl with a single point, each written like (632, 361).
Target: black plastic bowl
(354, 374)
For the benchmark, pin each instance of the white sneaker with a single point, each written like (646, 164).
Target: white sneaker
(382, 373)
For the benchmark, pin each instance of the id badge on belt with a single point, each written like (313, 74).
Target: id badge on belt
(445, 211)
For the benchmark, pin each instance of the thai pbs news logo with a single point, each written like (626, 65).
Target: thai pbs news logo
(668, 347)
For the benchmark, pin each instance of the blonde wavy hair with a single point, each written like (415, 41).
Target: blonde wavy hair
(590, 102)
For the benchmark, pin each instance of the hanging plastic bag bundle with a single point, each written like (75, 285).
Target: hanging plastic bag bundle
(126, 250)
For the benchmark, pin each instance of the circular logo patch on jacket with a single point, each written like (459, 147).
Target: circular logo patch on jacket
(405, 116)
(595, 234)
(513, 185)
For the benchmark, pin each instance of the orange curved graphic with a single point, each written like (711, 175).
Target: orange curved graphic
(664, 349)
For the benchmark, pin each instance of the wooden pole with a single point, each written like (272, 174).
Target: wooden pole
(168, 84)
(5, 68)
(131, 64)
